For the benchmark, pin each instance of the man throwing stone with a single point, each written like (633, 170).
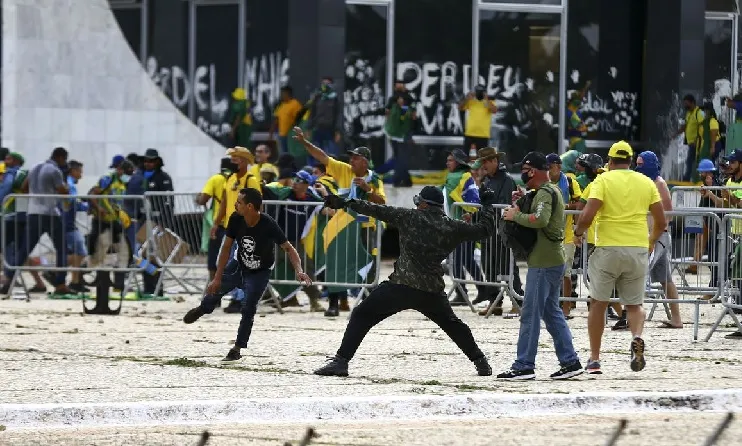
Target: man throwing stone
(620, 198)
(426, 237)
(544, 278)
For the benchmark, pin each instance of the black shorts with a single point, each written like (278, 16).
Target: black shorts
(214, 246)
(479, 143)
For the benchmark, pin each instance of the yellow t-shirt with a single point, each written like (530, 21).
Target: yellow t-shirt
(479, 121)
(693, 120)
(626, 197)
(214, 187)
(344, 175)
(232, 187)
(255, 169)
(286, 114)
(736, 223)
(713, 125)
(576, 193)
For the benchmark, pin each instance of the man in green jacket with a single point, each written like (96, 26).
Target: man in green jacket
(544, 278)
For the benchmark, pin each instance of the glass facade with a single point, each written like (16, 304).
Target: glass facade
(199, 51)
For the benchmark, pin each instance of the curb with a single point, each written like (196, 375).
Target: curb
(401, 408)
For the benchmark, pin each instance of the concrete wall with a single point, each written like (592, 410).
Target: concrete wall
(71, 79)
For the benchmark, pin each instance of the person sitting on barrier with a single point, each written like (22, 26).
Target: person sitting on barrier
(571, 192)
(109, 219)
(459, 187)
(76, 249)
(618, 202)
(660, 268)
(355, 180)
(240, 179)
(546, 264)
(255, 234)
(710, 198)
(213, 191)
(417, 280)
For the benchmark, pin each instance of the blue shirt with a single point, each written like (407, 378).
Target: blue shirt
(135, 186)
(69, 216)
(6, 187)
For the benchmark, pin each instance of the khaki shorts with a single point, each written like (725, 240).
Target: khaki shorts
(624, 268)
(569, 258)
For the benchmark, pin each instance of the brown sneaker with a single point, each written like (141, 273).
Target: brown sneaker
(344, 304)
(497, 312)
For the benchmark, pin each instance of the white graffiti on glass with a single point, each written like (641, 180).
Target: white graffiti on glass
(264, 76)
(363, 104)
(176, 85)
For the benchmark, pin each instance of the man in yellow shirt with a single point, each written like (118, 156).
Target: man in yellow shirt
(618, 202)
(479, 119)
(355, 181)
(262, 154)
(214, 190)
(285, 116)
(240, 179)
(693, 118)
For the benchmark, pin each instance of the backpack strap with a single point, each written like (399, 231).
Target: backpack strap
(552, 192)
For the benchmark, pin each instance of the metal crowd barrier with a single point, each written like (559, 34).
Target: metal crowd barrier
(489, 266)
(730, 271)
(53, 233)
(329, 249)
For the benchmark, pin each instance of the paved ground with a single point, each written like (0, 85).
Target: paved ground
(51, 353)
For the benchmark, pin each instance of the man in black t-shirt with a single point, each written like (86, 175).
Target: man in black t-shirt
(255, 234)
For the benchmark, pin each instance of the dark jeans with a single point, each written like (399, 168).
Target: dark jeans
(401, 150)
(253, 284)
(36, 227)
(690, 164)
(389, 299)
(214, 247)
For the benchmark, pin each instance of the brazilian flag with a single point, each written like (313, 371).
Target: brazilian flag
(346, 259)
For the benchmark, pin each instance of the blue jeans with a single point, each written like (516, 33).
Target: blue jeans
(543, 287)
(36, 227)
(232, 264)
(253, 284)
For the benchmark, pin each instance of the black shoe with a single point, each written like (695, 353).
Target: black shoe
(621, 324)
(568, 371)
(5, 289)
(518, 375)
(637, 355)
(193, 315)
(233, 355)
(483, 367)
(79, 287)
(612, 315)
(332, 312)
(49, 277)
(235, 306)
(336, 366)
(734, 335)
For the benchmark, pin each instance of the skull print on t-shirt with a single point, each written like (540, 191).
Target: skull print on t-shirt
(255, 244)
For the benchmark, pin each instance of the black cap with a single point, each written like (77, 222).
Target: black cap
(431, 195)
(535, 160)
(361, 151)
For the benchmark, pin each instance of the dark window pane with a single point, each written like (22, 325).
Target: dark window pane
(519, 65)
(718, 62)
(216, 68)
(530, 2)
(433, 55)
(365, 76)
(721, 5)
(266, 61)
(602, 52)
(130, 22)
(167, 50)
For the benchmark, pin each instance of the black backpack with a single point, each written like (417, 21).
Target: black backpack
(519, 238)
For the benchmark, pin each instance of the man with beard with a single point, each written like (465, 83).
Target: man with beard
(495, 255)
(417, 280)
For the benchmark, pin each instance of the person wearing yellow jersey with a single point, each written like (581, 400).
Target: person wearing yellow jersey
(479, 119)
(733, 198)
(262, 154)
(240, 179)
(571, 192)
(285, 116)
(618, 203)
(355, 181)
(213, 191)
(692, 130)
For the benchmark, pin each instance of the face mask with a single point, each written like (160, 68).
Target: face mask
(649, 171)
(525, 178)
(125, 178)
(148, 174)
(480, 95)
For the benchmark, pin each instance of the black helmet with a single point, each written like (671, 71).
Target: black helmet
(591, 161)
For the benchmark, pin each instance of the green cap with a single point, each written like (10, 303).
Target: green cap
(477, 164)
(18, 157)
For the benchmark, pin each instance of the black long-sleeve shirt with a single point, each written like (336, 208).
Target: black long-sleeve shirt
(426, 238)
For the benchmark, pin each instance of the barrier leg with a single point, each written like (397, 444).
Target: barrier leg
(493, 305)
(696, 320)
(716, 324)
(102, 287)
(276, 298)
